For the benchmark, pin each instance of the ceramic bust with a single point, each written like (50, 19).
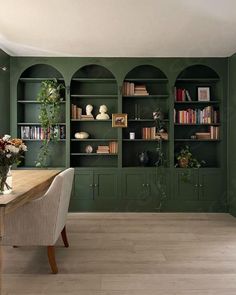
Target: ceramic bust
(89, 109)
(102, 111)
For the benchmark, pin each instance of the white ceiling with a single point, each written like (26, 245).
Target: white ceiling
(118, 28)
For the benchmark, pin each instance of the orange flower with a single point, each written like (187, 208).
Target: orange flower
(16, 142)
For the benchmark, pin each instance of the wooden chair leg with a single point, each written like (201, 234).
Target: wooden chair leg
(52, 259)
(64, 237)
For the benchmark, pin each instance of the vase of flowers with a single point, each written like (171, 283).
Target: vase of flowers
(11, 152)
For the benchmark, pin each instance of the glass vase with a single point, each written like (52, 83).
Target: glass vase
(5, 180)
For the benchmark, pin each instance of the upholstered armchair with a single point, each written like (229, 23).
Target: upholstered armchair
(41, 221)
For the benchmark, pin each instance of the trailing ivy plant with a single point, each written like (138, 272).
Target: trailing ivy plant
(161, 176)
(49, 97)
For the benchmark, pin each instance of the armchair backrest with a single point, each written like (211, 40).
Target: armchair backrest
(41, 221)
(66, 177)
(57, 200)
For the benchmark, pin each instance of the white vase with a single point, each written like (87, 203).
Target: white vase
(7, 188)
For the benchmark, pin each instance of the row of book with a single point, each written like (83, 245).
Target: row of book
(130, 88)
(214, 132)
(112, 148)
(197, 116)
(149, 133)
(182, 95)
(38, 133)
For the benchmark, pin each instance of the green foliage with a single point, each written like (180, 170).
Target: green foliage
(186, 154)
(49, 97)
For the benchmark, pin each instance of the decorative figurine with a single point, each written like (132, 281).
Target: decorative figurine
(103, 115)
(143, 158)
(158, 118)
(89, 109)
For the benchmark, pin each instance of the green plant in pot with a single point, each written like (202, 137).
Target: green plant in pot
(185, 159)
(49, 97)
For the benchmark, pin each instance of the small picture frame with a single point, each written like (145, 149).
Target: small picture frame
(203, 93)
(119, 120)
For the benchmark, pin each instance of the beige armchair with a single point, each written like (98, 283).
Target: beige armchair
(40, 222)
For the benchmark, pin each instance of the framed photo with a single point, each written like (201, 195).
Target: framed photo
(203, 93)
(119, 120)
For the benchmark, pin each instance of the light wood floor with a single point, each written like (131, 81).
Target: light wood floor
(131, 254)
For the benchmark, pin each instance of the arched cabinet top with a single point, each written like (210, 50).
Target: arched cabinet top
(145, 72)
(93, 71)
(198, 72)
(41, 72)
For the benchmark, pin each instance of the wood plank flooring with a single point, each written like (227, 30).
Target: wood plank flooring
(131, 254)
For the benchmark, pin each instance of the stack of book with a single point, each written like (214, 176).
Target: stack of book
(203, 135)
(38, 133)
(86, 117)
(182, 95)
(76, 112)
(113, 147)
(103, 149)
(149, 133)
(140, 90)
(130, 89)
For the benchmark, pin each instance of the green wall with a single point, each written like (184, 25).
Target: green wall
(232, 135)
(4, 94)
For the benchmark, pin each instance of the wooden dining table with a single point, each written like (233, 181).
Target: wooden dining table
(27, 185)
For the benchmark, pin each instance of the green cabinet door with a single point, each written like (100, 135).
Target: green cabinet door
(186, 184)
(105, 185)
(83, 185)
(134, 185)
(211, 185)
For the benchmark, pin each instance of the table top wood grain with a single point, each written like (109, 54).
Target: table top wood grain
(27, 185)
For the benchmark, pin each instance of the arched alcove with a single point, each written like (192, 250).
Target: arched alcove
(28, 108)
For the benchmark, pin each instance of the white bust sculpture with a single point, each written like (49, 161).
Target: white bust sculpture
(102, 111)
(89, 109)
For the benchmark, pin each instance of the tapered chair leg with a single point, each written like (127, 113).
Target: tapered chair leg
(52, 259)
(64, 237)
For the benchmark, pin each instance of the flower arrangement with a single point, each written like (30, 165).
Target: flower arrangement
(11, 152)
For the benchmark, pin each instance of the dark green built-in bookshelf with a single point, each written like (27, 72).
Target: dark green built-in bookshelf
(118, 182)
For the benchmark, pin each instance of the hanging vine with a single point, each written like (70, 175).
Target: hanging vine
(49, 97)
(160, 176)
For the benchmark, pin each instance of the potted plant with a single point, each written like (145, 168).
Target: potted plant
(49, 97)
(185, 159)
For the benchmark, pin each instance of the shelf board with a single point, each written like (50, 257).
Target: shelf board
(36, 124)
(39, 79)
(198, 102)
(197, 80)
(92, 154)
(38, 140)
(93, 139)
(91, 80)
(79, 120)
(146, 140)
(197, 140)
(146, 80)
(197, 124)
(33, 101)
(94, 95)
(147, 96)
(145, 120)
